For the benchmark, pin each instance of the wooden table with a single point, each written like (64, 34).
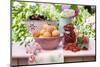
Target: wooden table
(19, 56)
(83, 55)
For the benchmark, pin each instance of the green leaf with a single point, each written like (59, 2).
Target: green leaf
(80, 40)
(74, 7)
(84, 46)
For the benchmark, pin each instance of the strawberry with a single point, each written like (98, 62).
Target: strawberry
(85, 40)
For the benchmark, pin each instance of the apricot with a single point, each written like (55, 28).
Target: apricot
(46, 34)
(41, 36)
(45, 26)
(47, 31)
(50, 28)
(42, 31)
(55, 33)
(36, 34)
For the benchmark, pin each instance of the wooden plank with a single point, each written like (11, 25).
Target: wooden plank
(19, 61)
(23, 61)
(79, 58)
(89, 58)
(14, 61)
(73, 59)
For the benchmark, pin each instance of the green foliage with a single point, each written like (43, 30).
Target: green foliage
(80, 40)
(80, 21)
(19, 13)
(22, 10)
(80, 43)
(74, 7)
(83, 15)
(49, 10)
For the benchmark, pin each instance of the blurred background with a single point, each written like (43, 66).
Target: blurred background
(85, 20)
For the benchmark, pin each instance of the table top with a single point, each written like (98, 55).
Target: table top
(89, 52)
(20, 51)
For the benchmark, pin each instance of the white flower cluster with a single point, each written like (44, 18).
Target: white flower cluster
(91, 20)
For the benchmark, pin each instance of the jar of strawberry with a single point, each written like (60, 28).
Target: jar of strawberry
(69, 34)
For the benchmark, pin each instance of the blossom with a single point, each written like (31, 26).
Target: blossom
(65, 7)
(17, 4)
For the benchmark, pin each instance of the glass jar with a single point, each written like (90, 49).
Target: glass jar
(69, 34)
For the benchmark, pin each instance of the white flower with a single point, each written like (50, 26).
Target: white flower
(17, 4)
(30, 4)
(90, 20)
(93, 26)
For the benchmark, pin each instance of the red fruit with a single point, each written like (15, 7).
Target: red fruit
(78, 48)
(69, 27)
(74, 50)
(71, 48)
(74, 45)
(85, 40)
(66, 47)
